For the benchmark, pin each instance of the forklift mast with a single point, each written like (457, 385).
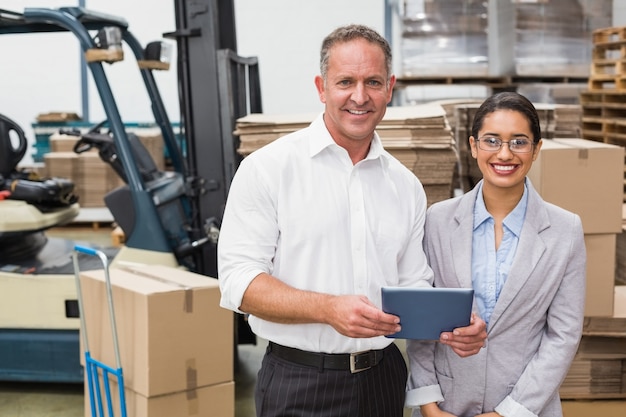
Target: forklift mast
(216, 88)
(176, 212)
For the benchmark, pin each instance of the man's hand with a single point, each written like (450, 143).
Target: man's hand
(466, 341)
(356, 316)
(351, 315)
(492, 414)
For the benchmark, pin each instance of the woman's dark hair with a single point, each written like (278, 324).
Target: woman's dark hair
(508, 101)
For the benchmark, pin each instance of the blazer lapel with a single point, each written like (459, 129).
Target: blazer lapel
(532, 246)
(461, 239)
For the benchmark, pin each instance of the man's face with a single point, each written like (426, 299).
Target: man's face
(356, 92)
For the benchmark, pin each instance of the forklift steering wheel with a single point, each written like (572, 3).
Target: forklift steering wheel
(96, 128)
(84, 145)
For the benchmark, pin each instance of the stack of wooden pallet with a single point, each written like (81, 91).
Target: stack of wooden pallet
(607, 68)
(604, 103)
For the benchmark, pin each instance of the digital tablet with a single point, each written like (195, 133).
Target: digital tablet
(425, 312)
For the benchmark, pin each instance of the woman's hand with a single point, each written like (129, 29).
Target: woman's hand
(467, 341)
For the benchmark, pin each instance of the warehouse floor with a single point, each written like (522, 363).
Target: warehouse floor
(67, 400)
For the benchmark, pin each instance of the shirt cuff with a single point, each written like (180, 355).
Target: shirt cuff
(232, 294)
(511, 408)
(424, 395)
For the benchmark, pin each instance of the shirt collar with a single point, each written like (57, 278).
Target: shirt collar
(480, 210)
(515, 219)
(321, 139)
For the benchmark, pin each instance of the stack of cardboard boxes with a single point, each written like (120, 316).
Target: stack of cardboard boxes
(418, 136)
(175, 342)
(421, 138)
(586, 177)
(92, 177)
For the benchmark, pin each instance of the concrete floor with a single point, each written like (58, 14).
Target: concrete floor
(68, 400)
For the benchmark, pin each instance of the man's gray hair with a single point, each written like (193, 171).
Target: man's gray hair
(349, 33)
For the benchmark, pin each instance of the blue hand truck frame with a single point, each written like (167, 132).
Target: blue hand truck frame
(94, 367)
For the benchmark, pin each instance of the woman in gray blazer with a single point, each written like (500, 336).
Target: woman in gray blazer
(525, 259)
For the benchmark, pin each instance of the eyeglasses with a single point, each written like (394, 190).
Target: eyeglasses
(492, 144)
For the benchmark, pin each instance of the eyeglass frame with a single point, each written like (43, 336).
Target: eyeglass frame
(502, 142)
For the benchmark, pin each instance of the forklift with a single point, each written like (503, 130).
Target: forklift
(169, 217)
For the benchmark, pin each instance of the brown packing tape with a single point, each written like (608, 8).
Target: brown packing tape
(188, 299)
(583, 153)
(193, 404)
(192, 383)
(192, 374)
(188, 307)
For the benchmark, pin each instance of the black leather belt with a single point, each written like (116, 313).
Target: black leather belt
(353, 362)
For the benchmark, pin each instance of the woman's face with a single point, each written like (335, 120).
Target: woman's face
(503, 168)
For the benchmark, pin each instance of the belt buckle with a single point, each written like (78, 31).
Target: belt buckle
(353, 364)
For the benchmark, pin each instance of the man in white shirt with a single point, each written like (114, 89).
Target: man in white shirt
(315, 224)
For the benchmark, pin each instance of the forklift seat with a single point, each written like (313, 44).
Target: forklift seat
(47, 194)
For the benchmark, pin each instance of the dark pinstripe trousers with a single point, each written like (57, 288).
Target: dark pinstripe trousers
(286, 389)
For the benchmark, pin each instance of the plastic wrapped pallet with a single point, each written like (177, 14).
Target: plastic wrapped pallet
(554, 37)
(445, 37)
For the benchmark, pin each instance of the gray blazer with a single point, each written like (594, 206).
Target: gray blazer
(535, 327)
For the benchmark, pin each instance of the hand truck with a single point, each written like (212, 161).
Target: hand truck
(94, 368)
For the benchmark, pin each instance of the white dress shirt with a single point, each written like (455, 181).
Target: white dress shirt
(300, 210)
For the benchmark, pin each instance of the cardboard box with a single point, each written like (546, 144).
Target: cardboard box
(585, 177)
(210, 401)
(600, 274)
(65, 143)
(593, 408)
(602, 347)
(619, 309)
(173, 335)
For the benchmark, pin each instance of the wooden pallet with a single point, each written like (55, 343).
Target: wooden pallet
(495, 82)
(601, 97)
(608, 67)
(603, 103)
(607, 35)
(607, 82)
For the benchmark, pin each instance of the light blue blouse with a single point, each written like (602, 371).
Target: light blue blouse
(490, 268)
